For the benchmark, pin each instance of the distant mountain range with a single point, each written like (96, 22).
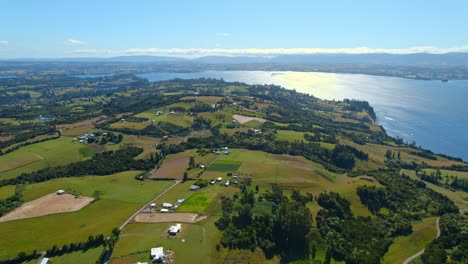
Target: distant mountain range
(415, 59)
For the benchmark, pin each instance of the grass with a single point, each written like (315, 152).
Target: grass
(179, 119)
(291, 136)
(460, 198)
(120, 195)
(7, 191)
(403, 247)
(224, 166)
(37, 156)
(129, 125)
(194, 244)
(88, 256)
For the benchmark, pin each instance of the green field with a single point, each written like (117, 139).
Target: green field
(120, 196)
(41, 155)
(291, 136)
(224, 165)
(193, 245)
(88, 256)
(403, 247)
(460, 198)
(7, 191)
(179, 119)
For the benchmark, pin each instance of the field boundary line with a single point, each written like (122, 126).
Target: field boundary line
(147, 204)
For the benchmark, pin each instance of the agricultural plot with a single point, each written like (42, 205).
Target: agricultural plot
(177, 118)
(168, 217)
(224, 165)
(244, 119)
(48, 204)
(291, 136)
(117, 197)
(88, 256)
(7, 191)
(130, 125)
(204, 99)
(404, 247)
(37, 156)
(173, 166)
(194, 244)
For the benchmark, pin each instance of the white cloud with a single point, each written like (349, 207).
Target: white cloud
(74, 42)
(3, 42)
(223, 34)
(199, 52)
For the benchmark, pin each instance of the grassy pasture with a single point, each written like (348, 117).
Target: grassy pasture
(194, 244)
(120, 195)
(291, 136)
(130, 125)
(88, 256)
(7, 191)
(37, 156)
(179, 119)
(405, 246)
(460, 198)
(224, 165)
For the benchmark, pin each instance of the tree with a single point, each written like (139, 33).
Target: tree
(328, 256)
(185, 178)
(191, 162)
(313, 250)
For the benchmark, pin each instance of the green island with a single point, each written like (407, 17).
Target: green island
(96, 170)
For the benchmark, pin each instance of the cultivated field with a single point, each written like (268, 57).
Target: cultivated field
(117, 197)
(244, 119)
(41, 155)
(173, 166)
(48, 204)
(168, 217)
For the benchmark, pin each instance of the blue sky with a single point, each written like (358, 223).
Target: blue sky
(61, 28)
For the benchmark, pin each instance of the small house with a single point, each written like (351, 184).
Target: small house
(164, 210)
(202, 166)
(60, 192)
(180, 201)
(194, 187)
(153, 205)
(157, 254)
(212, 182)
(167, 205)
(175, 229)
(226, 184)
(219, 179)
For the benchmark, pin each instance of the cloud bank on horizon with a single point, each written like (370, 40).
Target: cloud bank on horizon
(265, 52)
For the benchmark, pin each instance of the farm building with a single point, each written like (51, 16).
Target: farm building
(180, 201)
(157, 254)
(194, 187)
(164, 210)
(167, 205)
(175, 229)
(43, 261)
(60, 192)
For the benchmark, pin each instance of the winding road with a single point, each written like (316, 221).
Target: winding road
(408, 260)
